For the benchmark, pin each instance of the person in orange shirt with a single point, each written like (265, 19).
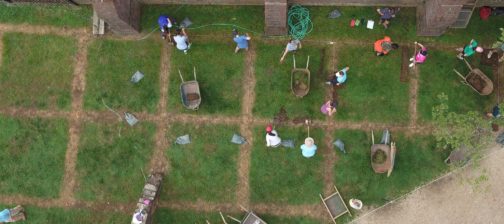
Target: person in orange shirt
(384, 46)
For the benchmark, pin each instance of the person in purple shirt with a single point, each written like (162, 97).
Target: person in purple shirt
(165, 24)
(386, 14)
(242, 41)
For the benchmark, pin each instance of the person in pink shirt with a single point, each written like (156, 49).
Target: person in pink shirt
(420, 57)
(328, 108)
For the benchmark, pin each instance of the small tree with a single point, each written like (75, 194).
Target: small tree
(454, 130)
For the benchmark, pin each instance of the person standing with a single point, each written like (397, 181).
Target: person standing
(339, 77)
(272, 138)
(165, 25)
(292, 46)
(469, 50)
(420, 57)
(242, 41)
(182, 40)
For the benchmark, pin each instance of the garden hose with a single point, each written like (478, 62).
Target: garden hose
(298, 19)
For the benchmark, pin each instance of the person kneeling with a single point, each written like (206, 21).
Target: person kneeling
(272, 138)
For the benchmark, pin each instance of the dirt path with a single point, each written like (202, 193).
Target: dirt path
(450, 199)
(328, 151)
(158, 162)
(40, 29)
(313, 211)
(249, 82)
(413, 93)
(78, 87)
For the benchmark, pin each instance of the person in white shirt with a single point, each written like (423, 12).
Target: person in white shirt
(272, 138)
(182, 40)
(292, 46)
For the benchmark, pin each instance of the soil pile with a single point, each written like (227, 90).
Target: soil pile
(379, 157)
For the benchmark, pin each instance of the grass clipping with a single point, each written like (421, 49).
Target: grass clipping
(379, 157)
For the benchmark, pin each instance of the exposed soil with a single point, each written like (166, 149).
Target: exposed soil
(379, 157)
(281, 117)
(476, 81)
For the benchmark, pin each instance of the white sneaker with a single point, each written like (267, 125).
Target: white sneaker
(189, 46)
(328, 83)
(411, 59)
(185, 51)
(411, 65)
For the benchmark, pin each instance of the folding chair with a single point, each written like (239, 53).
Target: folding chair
(335, 205)
(250, 218)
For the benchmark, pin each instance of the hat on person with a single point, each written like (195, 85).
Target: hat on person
(479, 49)
(309, 142)
(269, 128)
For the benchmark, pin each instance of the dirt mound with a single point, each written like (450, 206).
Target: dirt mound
(476, 81)
(379, 157)
(192, 96)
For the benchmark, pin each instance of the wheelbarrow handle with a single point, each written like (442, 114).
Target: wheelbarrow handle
(194, 70)
(458, 73)
(468, 65)
(294, 59)
(308, 62)
(180, 74)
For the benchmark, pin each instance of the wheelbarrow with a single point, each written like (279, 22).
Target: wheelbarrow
(300, 79)
(190, 92)
(477, 80)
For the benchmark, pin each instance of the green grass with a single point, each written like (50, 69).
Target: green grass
(36, 71)
(437, 76)
(40, 14)
(373, 91)
(289, 220)
(273, 87)
(76, 216)
(248, 17)
(163, 215)
(417, 161)
(204, 169)
(283, 175)
(110, 67)
(110, 160)
(32, 156)
(402, 28)
(220, 80)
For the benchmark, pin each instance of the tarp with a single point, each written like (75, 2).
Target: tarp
(238, 139)
(341, 146)
(182, 140)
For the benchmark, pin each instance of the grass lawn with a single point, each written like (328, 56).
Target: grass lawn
(402, 28)
(110, 160)
(437, 76)
(372, 84)
(249, 17)
(164, 215)
(283, 175)
(111, 65)
(273, 87)
(32, 156)
(220, 80)
(40, 14)
(204, 169)
(76, 216)
(289, 220)
(417, 161)
(36, 71)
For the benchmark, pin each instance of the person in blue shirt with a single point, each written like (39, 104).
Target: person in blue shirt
(308, 149)
(12, 215)
(242, 41)
(165, 24)
(339, 77)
